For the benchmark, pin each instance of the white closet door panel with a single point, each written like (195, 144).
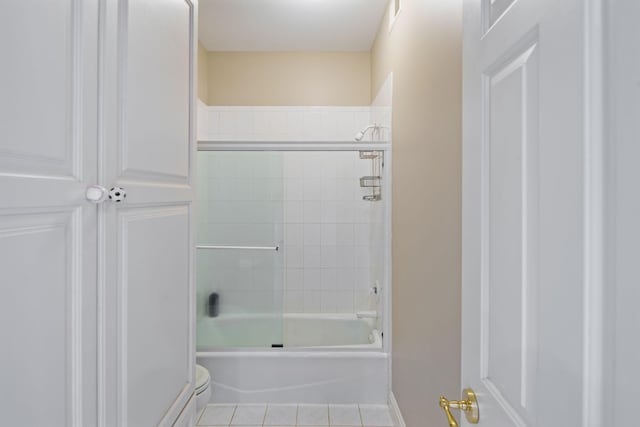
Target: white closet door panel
(157, 105)
(43, 76)
(149, 149)
(48, 128)
(154, 311)
(40, 311)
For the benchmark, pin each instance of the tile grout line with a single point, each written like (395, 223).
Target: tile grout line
(328, 416)
(297, 411)
(233, 415)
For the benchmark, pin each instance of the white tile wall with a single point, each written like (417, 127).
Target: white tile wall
(328, 246)
(281, 123)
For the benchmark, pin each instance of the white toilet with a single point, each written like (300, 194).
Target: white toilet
(203, 389)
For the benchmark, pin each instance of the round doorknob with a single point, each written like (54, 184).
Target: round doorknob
(96, 194)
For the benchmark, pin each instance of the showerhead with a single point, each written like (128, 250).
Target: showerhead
(360, 134)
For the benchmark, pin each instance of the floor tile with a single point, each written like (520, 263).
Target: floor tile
(313, 415)
(344, 415)
(217, 415)
(249, 415)
(376, 416)
(281, 415)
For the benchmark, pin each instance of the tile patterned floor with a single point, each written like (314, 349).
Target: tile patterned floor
(223, 415)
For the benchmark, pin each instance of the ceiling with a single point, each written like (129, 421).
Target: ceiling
(289, 25)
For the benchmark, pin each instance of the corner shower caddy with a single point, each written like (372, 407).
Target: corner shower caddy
(373, 181)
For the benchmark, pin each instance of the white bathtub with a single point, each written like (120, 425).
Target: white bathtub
(325, 359)
(340, 331)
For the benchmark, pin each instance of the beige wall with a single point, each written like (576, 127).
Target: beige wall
(289, 78)
(203, 74)
(424, 53)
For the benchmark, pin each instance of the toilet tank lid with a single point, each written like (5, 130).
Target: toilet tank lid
(202, 377)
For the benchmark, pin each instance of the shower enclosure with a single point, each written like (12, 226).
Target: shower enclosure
(291, 249)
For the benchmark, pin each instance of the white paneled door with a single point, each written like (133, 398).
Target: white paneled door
(48, 146)
(149, 137)
(96, 303)
(530, 212)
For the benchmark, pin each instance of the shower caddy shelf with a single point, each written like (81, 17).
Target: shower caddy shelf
(373, 181)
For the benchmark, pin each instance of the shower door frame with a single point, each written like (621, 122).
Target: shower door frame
(385, 147)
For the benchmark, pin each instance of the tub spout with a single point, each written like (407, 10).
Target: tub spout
(367, 314)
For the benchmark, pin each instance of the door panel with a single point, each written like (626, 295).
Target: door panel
(49, 106)
(156, 107)
(492, 10)
(523, 211)
(42, 293)
(622, 269)
(48, 127)
(510, 174)
(149, 150)
(54, 316)
(154, 310)
(41, 80)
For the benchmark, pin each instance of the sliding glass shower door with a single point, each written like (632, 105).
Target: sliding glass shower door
(239, 252)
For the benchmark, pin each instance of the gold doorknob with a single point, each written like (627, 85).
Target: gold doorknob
(469, 406)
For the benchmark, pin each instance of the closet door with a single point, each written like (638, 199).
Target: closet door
(148, 144)
(48, 99)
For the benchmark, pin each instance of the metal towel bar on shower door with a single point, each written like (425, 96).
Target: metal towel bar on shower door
(249, 248)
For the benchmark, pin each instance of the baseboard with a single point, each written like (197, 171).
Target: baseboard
(395, 411)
